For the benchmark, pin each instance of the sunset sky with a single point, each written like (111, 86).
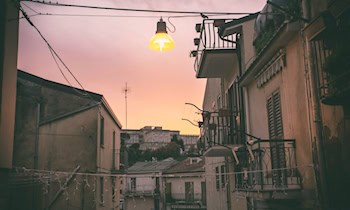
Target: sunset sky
(104, 53)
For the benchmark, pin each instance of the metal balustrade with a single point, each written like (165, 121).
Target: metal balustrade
(209, 39)
(270, 165)
(189, 198)
(140, 190)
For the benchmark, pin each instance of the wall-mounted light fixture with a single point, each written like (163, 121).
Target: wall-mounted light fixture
(161, 41)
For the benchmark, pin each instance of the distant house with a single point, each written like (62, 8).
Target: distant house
(144, 185)
(185, 185)
(154, 137)
(62, 129)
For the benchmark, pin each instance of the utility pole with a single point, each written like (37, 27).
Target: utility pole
(126, 90)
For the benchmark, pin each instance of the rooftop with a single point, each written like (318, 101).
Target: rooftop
(152, 166)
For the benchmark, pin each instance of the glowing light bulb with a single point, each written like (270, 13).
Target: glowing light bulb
(161, 41)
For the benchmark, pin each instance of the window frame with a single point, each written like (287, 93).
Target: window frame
(102, 130)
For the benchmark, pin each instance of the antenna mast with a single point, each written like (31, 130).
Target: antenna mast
(126, 90)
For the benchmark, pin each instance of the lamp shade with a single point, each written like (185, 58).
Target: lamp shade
(161, 41)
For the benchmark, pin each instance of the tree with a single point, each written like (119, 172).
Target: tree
(178, 141)
(134, 153)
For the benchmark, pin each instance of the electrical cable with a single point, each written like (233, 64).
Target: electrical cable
(138, 10)
(53, 52)
(30, 8)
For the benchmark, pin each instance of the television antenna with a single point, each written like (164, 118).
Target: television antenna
(126, 91)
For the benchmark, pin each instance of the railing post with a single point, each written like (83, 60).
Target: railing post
(261, 171)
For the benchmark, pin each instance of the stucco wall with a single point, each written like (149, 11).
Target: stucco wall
(291, 84)
(66, 143)
(211, 94)
(216, 200)
(137, 203)
(178, 185)
(52, 103)
(105, 151)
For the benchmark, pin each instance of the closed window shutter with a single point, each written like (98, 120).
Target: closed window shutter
(275, 126)
(274, 115)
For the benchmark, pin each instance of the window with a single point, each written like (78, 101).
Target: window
(204, 193)
(101, 191)
(133, 184)
(189, 191)
(113, 189)
(223, 176)
(102, 130)
(168, 197)
(274, 115)
(278, 159)
(217, 178)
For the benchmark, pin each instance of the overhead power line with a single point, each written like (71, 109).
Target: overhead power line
(138, 10)
(55, 55)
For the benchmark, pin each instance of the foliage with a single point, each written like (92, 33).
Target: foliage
(179, 142)
(134, 153)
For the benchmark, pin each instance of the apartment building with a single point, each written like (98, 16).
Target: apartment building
(152, 138)
(276, 103)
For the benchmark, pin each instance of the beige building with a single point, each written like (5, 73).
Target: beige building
(70, 140)
(185, 185)
(276, 104)
(144, 185)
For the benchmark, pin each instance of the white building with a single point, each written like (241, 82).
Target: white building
(144, 185)
(152, 138)
(185, 185)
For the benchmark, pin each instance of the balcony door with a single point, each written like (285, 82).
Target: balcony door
(277, 151)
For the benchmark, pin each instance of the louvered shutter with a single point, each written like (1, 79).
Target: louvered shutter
(275, 126)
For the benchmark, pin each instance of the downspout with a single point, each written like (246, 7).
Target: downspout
(241, 94)
(318, 143)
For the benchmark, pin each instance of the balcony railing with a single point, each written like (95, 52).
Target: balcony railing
(185, 198)
(268, 165)
(210, 40)
(141, 190)
(332, 70)
(221, 128)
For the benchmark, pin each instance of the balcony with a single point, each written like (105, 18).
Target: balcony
(214, 56)
(335, 89)
(221, 128)
(268, 165)
(186, 201)
(141, 190)
(331, 64)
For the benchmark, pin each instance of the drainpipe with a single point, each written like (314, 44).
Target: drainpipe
(319, 142)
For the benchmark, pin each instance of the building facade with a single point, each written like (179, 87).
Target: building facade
(153, 138)
(144, 185)
(69, 141)
(276, 103)
(185, 185)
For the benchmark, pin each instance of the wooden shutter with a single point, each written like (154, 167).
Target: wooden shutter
(275, 126)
